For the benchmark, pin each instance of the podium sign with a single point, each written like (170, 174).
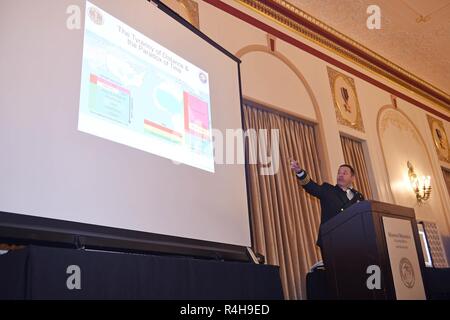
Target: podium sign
(403, 259)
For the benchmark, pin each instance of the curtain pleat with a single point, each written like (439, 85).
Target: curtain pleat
(285, 219)
(354, 156)
(446, 174)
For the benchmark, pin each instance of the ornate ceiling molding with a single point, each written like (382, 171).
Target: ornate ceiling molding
(318, 32)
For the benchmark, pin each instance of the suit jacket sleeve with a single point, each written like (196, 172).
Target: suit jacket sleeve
(309, 185)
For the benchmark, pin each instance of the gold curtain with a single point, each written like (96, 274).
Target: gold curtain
(354, 156)
(285, 219)
(446, 174)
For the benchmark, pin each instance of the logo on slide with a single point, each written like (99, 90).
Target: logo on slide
(95, 16)
(407, 273)
(202, 77)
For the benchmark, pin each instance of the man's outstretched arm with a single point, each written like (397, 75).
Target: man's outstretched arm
(305, 180)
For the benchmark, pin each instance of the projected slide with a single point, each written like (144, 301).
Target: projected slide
(140, 94)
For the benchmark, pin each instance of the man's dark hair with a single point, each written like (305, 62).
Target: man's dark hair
(348, 166)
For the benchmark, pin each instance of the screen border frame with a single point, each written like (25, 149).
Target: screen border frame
(23, 229)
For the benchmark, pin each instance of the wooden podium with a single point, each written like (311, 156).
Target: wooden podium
(372, 251)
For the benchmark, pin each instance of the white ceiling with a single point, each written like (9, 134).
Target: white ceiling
(414, 34)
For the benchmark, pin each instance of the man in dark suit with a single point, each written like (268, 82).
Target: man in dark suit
(333, 199)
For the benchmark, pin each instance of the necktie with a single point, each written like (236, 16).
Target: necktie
(349, 194)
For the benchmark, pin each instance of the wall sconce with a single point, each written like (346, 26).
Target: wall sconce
(421, 186)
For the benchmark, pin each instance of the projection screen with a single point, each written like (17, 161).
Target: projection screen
(109, 121)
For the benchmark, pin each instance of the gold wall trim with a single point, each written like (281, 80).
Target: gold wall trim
(191, 7)
(187, 9)
(440, 139)
(320, 132)
(357, 123)
(350, 50)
